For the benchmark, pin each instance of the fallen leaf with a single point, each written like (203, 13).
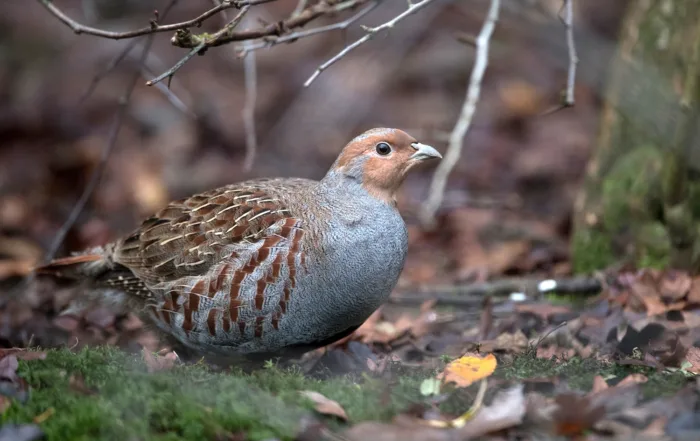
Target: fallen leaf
(506, 410)
(632, 379)
(45, 415)
(467, 369)
(575, 414)
(674, 284)
(599, 384)
(8, 368)
(325, 406)
(694, 292)
(656, 427)
(509, 342)
(23, 354)
(157, 363)
(430, 386)
(693, 357)
(415, 431)
(645, 288)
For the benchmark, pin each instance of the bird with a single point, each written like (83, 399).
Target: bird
(268, 266)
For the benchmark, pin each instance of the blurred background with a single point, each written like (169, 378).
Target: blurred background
(508, 205)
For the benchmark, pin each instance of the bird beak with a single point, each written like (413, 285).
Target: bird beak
(424, 152)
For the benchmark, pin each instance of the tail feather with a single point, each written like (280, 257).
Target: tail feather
(75, 267)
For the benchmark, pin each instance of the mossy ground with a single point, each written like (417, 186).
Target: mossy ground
(194, 403)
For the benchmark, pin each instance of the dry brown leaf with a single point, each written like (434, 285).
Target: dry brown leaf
(467, 369)
(693, 357)
(599, 384)
(674, 285)
(23, 354)
(509, 342)
(656, 428)
(324, 405)
(575, 414)
(644, 289)
(157, 363)
(694, 292)
(632, 379)
(555, 351)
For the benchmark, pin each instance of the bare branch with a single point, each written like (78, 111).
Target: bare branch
(185, 39)
(200, 47)
(154, 27)
(251, 93)
(454, 149)
(371, 32)
(170, 72)
(272, 41)
(568, 20)
(106, 152)
(300, 7)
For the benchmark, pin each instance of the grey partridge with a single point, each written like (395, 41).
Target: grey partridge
(266, 266)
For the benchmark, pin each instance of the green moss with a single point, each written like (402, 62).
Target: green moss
(578, 373)
(591, 251)
(189, 402)
(194, 403)
(631, 187)
(653, 245)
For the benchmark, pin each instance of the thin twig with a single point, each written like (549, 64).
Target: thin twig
(568, 20)
(251, 94)
(370, 33)
(185, 39)
(454, 149)
(153, 28)
(200, 47)
(107, 70)
(300, 7)
(106, 152)
(272, 41)
(167, 91)
(170, 72)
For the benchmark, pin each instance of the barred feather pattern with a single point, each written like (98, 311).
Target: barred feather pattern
(223, 263)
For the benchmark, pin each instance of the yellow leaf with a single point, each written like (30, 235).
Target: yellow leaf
(468, 369)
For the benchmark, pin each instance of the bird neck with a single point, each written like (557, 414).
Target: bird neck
(346, 182)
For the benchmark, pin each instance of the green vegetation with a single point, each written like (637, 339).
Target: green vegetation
(192, 402)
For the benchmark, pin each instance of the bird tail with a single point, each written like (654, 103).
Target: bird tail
(76, 267)
(108, 283)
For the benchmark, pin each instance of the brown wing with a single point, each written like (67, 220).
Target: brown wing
(190, 235)
(200, 252)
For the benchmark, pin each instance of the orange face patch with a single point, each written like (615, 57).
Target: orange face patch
(382, 173)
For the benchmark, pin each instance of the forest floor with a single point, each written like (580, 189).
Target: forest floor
(619, 363)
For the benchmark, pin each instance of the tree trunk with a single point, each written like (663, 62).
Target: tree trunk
(640, 202)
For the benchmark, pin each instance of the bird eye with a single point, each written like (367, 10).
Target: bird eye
(383, 148)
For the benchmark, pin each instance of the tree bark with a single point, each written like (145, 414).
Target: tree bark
(640, 201)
